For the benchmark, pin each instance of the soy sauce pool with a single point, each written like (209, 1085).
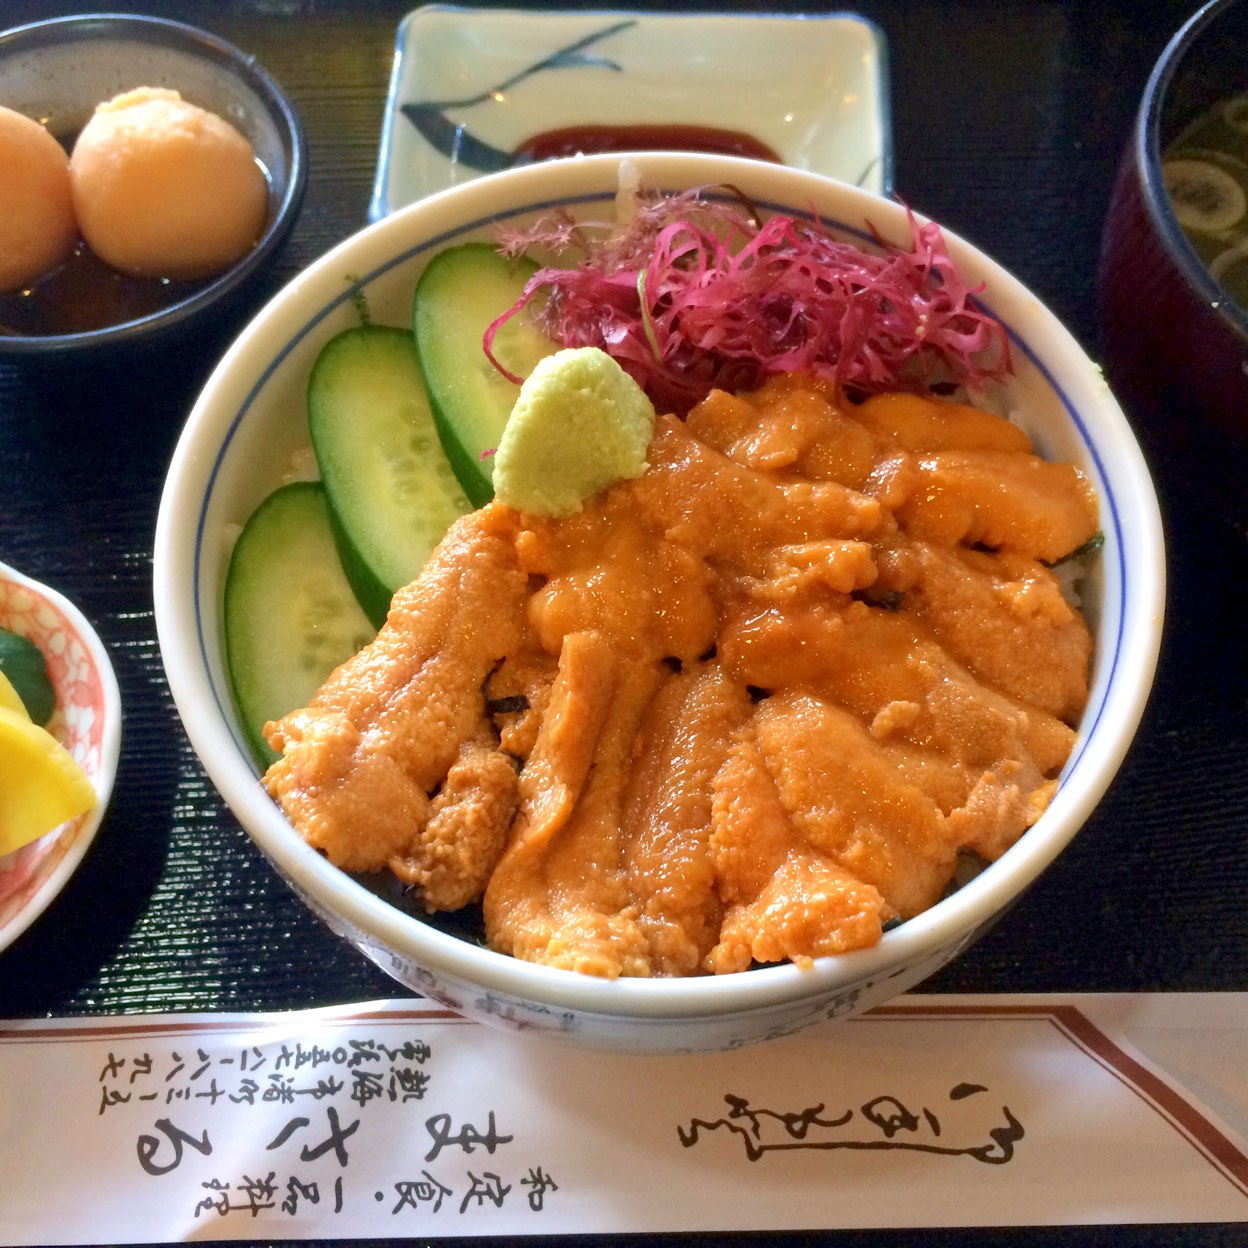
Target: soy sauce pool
(590, 140)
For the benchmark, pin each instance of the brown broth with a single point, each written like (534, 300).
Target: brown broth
(85, 294)
(584, 140)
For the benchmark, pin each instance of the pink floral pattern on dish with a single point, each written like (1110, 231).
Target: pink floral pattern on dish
(84, 721)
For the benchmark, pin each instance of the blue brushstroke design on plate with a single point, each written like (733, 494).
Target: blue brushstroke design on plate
(436, 136)
(453, 139)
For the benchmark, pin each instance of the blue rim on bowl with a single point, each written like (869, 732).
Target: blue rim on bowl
(257, 90)
(244, 415)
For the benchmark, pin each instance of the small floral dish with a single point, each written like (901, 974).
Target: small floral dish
(87, 721)
(471, 90)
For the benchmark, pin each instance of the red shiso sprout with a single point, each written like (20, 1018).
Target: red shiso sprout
(693, 295)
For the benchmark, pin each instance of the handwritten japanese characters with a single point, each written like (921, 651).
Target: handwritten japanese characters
(882, 1123)
(401, 1120)
(328, 1093)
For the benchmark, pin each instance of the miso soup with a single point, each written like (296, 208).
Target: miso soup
(1206, 175)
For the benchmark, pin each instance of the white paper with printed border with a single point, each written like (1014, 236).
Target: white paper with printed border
(400, 1119)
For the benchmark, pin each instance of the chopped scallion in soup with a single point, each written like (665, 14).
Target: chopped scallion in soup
(1206, 176)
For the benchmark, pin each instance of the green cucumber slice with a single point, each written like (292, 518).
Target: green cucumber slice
(24, 664)
(290, 614)
(391, 491)
(463, 290)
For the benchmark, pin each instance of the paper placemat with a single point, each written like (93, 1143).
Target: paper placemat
(401, 1119)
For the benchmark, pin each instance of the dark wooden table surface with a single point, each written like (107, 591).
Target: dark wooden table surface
(1008, 118)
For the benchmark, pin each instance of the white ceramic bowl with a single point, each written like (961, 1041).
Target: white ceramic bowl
(249, 420)
(87, 721)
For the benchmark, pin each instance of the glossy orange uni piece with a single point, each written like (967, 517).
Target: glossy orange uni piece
(747, 707)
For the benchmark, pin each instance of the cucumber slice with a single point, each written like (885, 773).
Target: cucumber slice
(290, 615)
(390, 488)
(457, 297)
(23, 663)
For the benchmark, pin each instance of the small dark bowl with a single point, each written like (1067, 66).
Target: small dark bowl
(58, 70)
(1174, 343)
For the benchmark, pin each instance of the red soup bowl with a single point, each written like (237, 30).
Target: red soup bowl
(1174, 340)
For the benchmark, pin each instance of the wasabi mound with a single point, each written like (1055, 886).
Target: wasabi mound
(581, 423)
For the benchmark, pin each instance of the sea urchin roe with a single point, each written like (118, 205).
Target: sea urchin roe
(758, 701)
